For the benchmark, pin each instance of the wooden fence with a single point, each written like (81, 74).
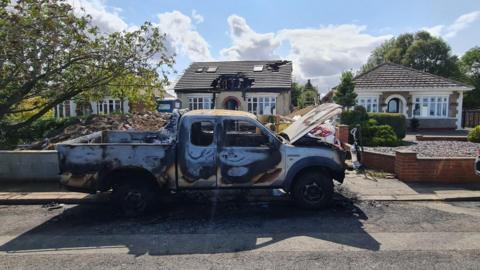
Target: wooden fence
(470, 118)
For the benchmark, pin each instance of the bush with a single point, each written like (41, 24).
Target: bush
(395, 120)
(414, 124)
(474, 134)
(354, 117)
(383, 135)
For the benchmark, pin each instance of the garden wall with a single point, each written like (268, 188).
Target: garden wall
(409, 168)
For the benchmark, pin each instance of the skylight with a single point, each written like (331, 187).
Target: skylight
(258, 68)
(199, 70)
(212, 69)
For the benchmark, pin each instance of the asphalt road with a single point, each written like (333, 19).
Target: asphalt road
(196, 233)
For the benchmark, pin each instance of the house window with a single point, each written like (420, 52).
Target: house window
(369, 103)
(108, 106)
(63, 109)
(199, 103)
(431, 106)
(262, 105)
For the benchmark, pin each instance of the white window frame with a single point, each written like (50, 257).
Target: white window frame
(444, 105)
(103, 106)
(373, 101)
(262, 103)
(198, 102)
(61, 109)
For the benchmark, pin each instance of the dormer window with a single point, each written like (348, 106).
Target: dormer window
(212, 69)
(257, 68)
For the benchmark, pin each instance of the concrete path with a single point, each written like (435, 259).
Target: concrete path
(369, 188)
(359, 186)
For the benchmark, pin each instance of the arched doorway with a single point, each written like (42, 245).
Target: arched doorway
(231, 103)
(394, 106)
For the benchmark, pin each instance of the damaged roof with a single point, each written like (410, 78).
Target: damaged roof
(267, 75)
(390, 75)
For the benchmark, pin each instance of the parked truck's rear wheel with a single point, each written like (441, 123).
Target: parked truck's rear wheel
(134, 198)
(312, 190)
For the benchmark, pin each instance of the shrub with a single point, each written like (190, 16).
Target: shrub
(383, 135)
(474, 134)
(354, 117)
(414, 124)
(395, 120)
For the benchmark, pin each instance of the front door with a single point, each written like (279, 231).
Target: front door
(197, 153)
(248, 155)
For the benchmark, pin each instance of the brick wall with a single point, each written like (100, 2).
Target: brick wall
(410, 168)
(342, 133)
(377, 161)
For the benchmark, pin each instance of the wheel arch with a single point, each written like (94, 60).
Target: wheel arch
(326, 165)
(108, 179)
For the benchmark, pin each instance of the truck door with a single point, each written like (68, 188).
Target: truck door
(197, 153)
(249, 155)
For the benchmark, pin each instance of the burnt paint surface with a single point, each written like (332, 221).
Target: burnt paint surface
(249, 166)
(197, 165)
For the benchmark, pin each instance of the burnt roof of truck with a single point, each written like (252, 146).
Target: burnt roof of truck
(219, 112)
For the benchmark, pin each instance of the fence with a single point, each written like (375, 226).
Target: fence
(470, 118)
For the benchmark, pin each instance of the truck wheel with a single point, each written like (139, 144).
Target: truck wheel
(312, 190)
(134, 199)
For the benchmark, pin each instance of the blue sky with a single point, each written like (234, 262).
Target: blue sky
(322, 38)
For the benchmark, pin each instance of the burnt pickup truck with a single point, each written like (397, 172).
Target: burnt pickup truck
(205, 149)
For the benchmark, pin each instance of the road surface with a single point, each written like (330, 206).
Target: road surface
(196, 233)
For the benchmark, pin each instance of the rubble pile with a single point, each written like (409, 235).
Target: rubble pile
(149, 121)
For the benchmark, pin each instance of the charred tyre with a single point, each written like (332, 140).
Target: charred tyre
(134, 198)
(312, 190)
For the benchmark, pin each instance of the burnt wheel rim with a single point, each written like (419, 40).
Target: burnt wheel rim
(133, 202)
(312, 192)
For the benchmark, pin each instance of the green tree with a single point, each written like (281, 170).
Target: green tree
(296, 94)
(345, 92)
(470, 67)
(50, 53)
(309, 95)
(421, 51)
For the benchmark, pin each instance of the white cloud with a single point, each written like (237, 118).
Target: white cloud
(197, 17)
(248, 44)
(461, 23)
(450, 31)
(183, 37)
(106, 19)
(319, 54)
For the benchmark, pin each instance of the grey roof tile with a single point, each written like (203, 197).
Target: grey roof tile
(265, 79)
(390, 75)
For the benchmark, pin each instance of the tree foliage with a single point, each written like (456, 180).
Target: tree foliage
(470, 67)
(345, 92)
(420, 50)
(49, 53)
(304, 95)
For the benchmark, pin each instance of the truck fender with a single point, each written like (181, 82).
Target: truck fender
(337, 171)
(108, 178)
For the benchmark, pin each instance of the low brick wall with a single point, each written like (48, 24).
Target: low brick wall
(378, 161)
(441, 138)
(409, 168)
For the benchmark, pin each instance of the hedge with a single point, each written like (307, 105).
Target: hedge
(395, 120)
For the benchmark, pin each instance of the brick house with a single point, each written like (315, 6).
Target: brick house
(435, 101)
(259, 87)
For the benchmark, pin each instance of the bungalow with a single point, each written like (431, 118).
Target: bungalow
(435, 101)
(259, 87)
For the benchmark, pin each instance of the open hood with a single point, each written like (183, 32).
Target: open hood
(310, 120)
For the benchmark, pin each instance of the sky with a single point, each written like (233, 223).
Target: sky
(321, 38)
